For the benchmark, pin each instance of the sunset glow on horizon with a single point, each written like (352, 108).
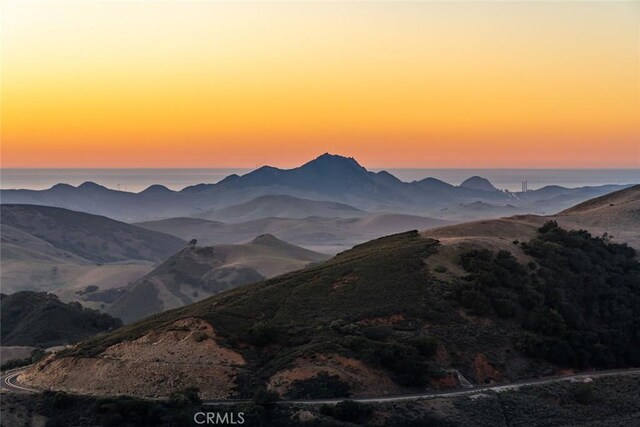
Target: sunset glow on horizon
(393, 84)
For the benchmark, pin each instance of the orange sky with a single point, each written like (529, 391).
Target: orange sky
(394, 84)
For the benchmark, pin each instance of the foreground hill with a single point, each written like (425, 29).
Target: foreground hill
(77, 234)
(386, 317)
(329, 178)
(195, 273)
(330, 235)
(38, 319)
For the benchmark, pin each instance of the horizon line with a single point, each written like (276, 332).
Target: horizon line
(368, 168)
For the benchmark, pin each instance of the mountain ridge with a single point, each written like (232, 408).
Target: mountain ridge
(330, 178)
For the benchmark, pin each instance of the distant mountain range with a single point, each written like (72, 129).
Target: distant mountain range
(328, 178)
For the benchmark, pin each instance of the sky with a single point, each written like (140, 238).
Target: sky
(146, 84)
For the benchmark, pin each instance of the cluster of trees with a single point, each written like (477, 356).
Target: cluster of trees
(408, 362)
(323, 385)
(578, 303)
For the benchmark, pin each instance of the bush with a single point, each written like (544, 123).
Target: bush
(349, 411)
(377, 333)
(187, 396)
(440, 269)
(584, 393)
(322, 385)
(261, 334)
(426, 346)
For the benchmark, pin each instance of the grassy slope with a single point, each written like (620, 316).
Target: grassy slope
(92, 237)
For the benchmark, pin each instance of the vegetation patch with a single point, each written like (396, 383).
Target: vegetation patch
(580, 308)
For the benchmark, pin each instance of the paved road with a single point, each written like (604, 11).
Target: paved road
(9, 383)
(452, 393)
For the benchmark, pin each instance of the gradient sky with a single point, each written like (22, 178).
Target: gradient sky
(394, 84)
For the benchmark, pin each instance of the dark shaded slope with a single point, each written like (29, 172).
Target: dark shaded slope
(41, 319)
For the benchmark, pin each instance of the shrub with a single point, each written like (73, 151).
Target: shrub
(322, 385)
(261, 334)
(349, 411)
(184, 397)
(440, 269)
(377, 333)
(426, 346)
(584, 393)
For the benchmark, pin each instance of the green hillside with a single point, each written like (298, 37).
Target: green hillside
(576, 304)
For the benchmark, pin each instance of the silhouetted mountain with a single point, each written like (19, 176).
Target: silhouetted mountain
(478, 183)
(329, 177)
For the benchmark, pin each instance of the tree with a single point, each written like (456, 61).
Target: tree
(193, 242)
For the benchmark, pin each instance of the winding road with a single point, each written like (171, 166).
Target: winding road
(10, 384)
(9, 379)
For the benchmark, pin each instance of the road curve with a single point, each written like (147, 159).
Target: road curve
(9, 383)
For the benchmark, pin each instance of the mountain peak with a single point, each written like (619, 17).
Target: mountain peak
(266, 239)
(62, 186)
(89, 185)
(156, 189)
(332, 161)
(478, 183)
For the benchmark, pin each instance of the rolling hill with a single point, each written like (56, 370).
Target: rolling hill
(57, 250)
(329, 235)
(195, 273)
(620, 206)
(93, 238)
(491, 301)
(616, 214)
(39, 319)
(280, 206)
